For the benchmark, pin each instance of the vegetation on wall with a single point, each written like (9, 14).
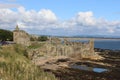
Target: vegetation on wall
(32, 39)
(42, 38)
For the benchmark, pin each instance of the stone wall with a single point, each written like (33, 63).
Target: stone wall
(21, 37)
(57, 47)
(69, 49)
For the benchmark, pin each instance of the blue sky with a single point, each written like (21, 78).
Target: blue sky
(62, 17)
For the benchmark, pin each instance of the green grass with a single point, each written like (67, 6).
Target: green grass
(14, 65)
(22, 71)
(35, 45)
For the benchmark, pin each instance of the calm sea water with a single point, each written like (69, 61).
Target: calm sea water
(108, 44)
(105, 44)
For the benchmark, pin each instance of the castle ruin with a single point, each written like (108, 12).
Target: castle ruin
(56, 46)
(21, 37)
(68, 48)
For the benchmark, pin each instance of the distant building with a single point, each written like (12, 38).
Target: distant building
(21, 37)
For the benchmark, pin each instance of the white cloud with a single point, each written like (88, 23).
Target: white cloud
(45, 21)
(47, 15)
(110, 30)
(85, 18)
(4, 5)
(29, 19)
(88, 24)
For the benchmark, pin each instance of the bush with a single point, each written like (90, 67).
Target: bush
(42, 38)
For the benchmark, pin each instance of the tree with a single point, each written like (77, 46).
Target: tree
(6, 35)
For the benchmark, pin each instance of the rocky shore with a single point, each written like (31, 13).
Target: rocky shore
(63, 71)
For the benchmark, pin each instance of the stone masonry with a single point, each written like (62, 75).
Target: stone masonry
(57, 47)
(21, 37)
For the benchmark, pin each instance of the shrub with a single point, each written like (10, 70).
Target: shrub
(42, 38)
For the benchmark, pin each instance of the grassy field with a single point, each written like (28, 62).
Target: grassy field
(14, 65)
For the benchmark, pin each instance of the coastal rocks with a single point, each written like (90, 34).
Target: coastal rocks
(52, 63)
(110, 64)
(58, 58)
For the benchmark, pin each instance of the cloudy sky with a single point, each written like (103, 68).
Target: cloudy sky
(62, 17)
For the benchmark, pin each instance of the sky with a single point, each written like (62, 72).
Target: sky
(62, 17)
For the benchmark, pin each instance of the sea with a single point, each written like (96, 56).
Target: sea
(107, 44)
(112, 44)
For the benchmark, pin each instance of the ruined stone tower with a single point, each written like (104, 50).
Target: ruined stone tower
(91, 46)
(21, 37)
